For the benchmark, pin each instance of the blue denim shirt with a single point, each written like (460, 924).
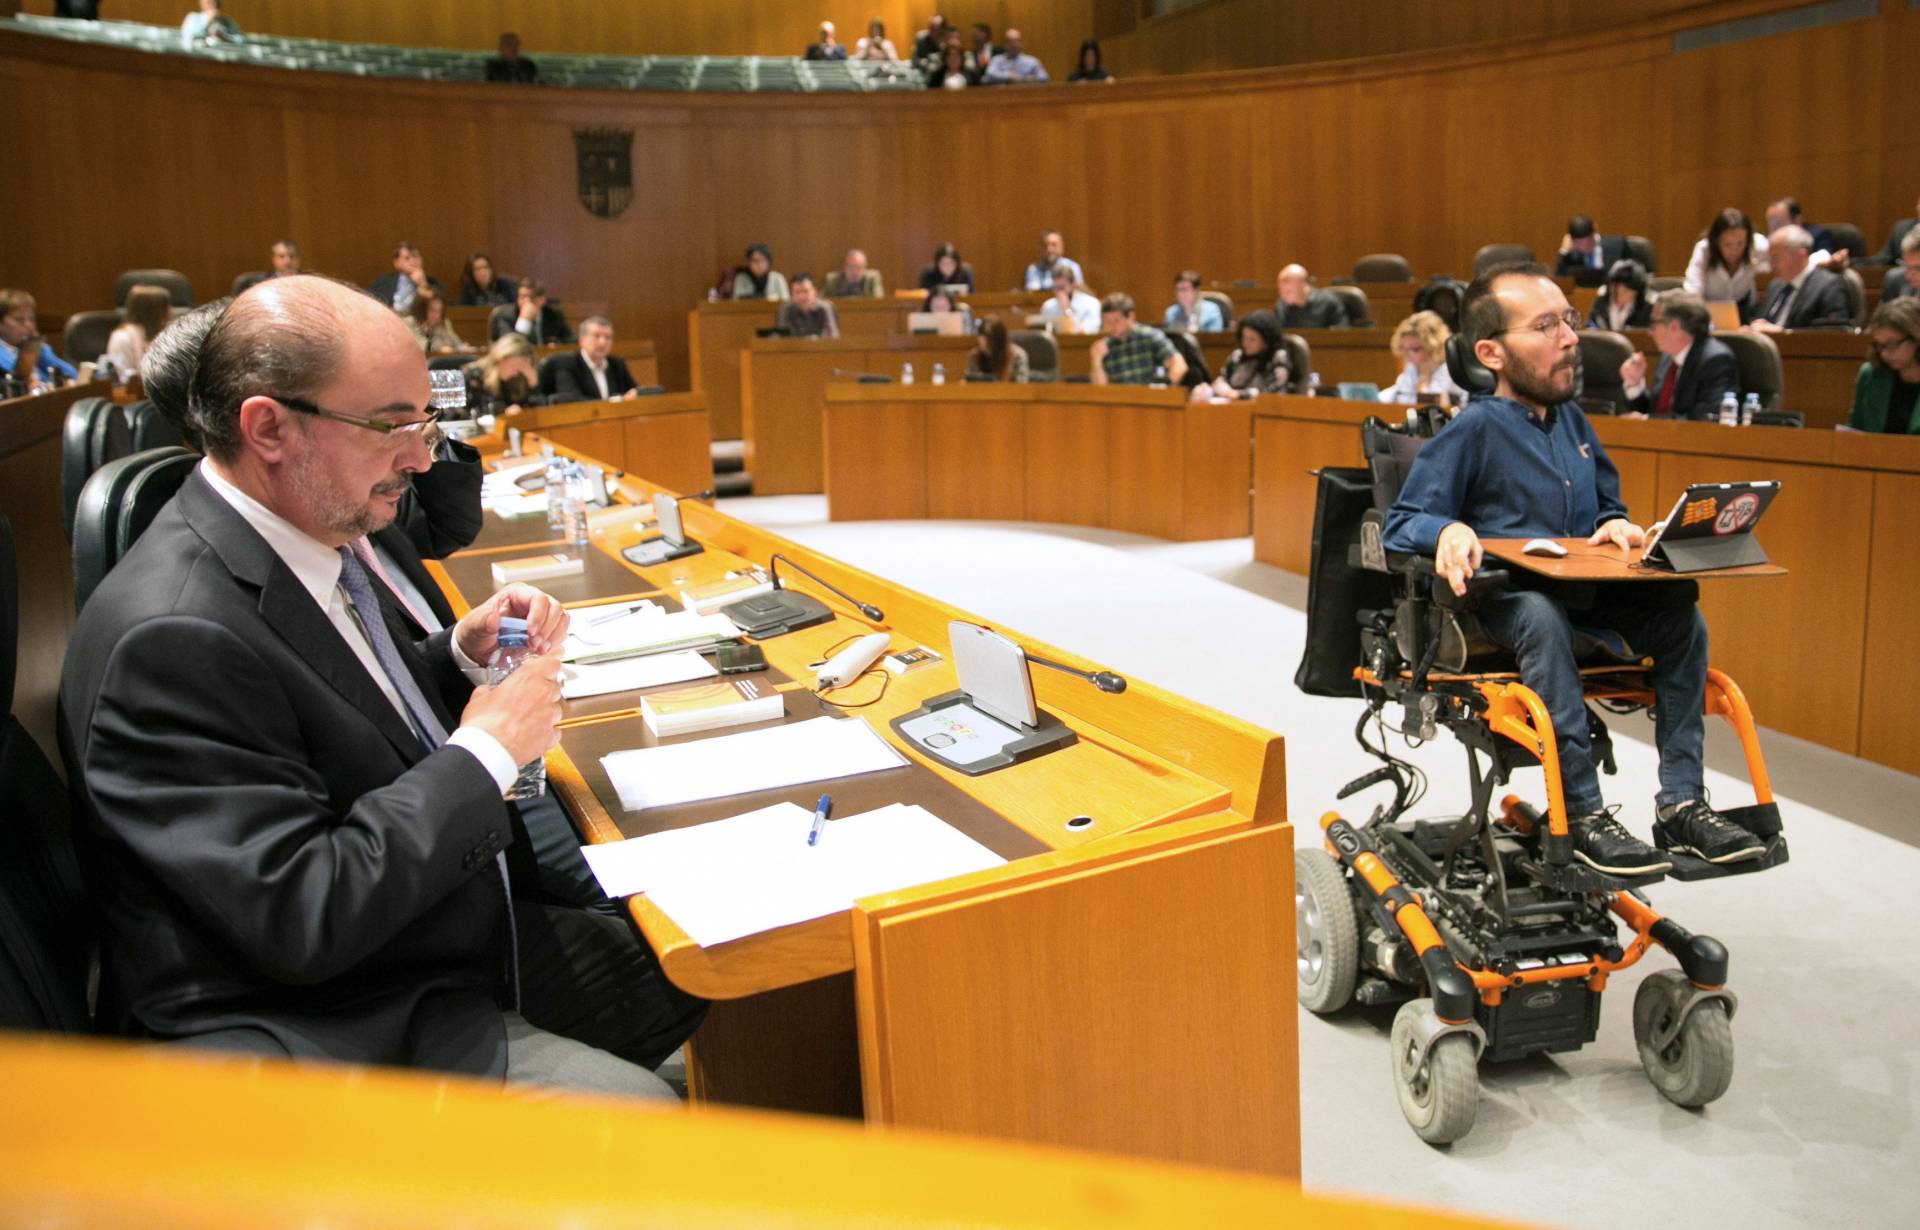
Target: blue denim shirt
(1507, 474)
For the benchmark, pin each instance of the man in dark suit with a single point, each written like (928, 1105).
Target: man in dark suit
(1302, 307)
(1802, 295)
(409, 278)
(591, 373)
(1889, 252)
(531, 316)
(1785, 211)
(1695, 370)
(294, 855)
(1904, 278)
(1582, 247)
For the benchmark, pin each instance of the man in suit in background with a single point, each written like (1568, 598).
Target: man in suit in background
(1302, 307)
(1904, 278)
(531, 316)
(1582, 247)
(1802, 295)
(1785, 211)
(1890, 251)
(853, 280)
(409, 278)
(593, 372)
(510, 66)
(293, 854)
(1695, 370)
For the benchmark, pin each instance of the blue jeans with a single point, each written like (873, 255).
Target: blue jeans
(1659, 621)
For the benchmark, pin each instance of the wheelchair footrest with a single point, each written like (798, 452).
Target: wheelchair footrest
(1577, 877)
(1687, 867)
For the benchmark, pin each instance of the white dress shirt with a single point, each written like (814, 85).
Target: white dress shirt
(317, 567)
(599, 371)
(1679, 365)
(1082, 316)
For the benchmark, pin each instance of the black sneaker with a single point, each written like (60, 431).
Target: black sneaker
(1603, 843)
(1695, 828)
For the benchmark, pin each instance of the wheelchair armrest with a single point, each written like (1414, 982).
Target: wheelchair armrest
(1486, 581)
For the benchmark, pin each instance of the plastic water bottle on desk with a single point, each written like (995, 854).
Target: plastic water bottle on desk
(1749, 408)
(556, 477)
(512, 650)
(576, 491)
(1729, 410)
(906, 373)
(1313, 384)
(939, 373)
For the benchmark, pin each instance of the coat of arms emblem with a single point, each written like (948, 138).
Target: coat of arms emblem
(605, 158)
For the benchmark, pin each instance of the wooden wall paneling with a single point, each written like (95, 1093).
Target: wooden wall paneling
(780, 413)
(744, 1052)
(977, 462)
(673, 450)
(1218, 453)
(604, 439)
(1149, 483)
(1888, 734)
(875, 467)
(1640, 488)
(1066, 462)
(723, 330)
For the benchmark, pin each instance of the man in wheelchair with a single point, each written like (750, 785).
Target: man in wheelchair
(1524, 463)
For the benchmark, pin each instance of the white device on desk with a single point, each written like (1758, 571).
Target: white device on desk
(513, 441)
(991, 722)
(672, 542)
(850, 663)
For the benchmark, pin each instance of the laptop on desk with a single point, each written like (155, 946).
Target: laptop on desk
(1711, 526)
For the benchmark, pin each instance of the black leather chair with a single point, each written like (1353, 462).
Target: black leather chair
(1640, 248)
(1382, 267)
(449, 362)
(1847, 235)
(1353, 301)
(1188, 349)
(1224, 302)
(1661, 285)
(1760, 368)
(1601, 354)
(1043, 354)
(46, 928)
(117, 505)
(246, 280)
(179, 290)
(1443, 297)
(1856, 296)
(1299, 362)
(150, 428)
(1779, 418)
(550, 373)
(96, 433)
(85, 337)
(1499, 254)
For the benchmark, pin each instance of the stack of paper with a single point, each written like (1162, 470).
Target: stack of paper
(501, 494)
(604, 637)
(755, 872)
(768, 759)
(578, 680)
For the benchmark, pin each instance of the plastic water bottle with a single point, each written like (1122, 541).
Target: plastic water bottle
(556, 492)
(1729, 410)
(575, 504)
(1313, 384)
(906, 373)
(507, 657)
(1749, 408)
(939, 373)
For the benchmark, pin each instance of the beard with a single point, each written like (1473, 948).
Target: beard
(333, 508)
(1562, 382)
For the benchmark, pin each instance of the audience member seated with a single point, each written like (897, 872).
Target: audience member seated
(1260, 364)
(293, 855)
(208, 25)
(1089, 67)
(1071, 309)
(1903, 280)
(947, 269)
(1786, 212)
(1039, 275)
(980, 48)
(853, 280)
(24, 354)
(1300, 306)
(876, 46)
(1012, 66)
(510, 66)
(1420, 343)
(1582, 247)
(1803, 295)
(283, 259)
(480, 286)
(939, 299)
(1890, 251)
(826, 46)
(1189, 312)
(504, 380)
(927, 43)
(531, 316)
(143, 316)
(409, 277)
(807, 314)
(1622, 303)
(1127, 352)
(952, 70)
(995, 357)
(1723, 264)
(1883, 392)
(758, 279)
(594, 372)
(1695, 372)
(426, 319)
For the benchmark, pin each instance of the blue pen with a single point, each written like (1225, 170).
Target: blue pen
(819, 817)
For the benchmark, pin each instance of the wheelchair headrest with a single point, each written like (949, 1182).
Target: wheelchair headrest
(1466, 368)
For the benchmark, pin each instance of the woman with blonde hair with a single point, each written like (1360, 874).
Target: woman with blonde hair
(144, 315)
(1420, 343)
(503, 380)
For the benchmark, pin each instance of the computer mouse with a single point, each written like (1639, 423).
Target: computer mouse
(1544, 546)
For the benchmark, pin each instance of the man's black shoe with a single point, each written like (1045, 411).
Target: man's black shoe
(1603, 843)
(1695, 828)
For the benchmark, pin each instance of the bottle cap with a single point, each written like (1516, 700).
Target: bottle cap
(513, 630)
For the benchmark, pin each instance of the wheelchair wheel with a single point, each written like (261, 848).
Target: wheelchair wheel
(1696, 1066)
(1440, 1094)
(1326, 933)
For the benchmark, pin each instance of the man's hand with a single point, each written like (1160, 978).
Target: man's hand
(1566, 244)
(1765, 326)
(530, 310)
(1839, 258)
(1457, 556)
(478, 632)
(1633, 373)
(1620, 532)
(522, 711)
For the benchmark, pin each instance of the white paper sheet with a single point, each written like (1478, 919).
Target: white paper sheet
(647, 628)
(626, 674)
(766, 759)
(511, 505)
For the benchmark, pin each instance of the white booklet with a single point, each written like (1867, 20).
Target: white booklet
(766, 759)
(578, 679)
(606, 634)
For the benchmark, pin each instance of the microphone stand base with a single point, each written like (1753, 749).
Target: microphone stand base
(776, 613)
(949, 730)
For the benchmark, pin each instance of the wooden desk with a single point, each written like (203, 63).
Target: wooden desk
(1585, 561)
(1036, 1001)
(664, 436)
(1127, 458)
(1822, 654)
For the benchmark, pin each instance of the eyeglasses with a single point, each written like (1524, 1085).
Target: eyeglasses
(1549, 327)
(427, 428)
(1881, 347)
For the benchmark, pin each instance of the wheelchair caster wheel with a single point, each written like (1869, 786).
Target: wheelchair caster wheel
(1695, 1065)
(1439, 1093)
(1326, 933)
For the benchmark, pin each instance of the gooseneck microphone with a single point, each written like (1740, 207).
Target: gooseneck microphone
(1106, 681)
(865, 608)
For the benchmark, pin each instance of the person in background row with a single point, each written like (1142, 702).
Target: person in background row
(952, 71)
(759, 279)
(1890, 251)
(283, 260)
(947, 269)
(1300, 306)
(1420, 343)
(1802, 295)
(996, 357)
(938, 300)
(1071, 309)
(208, 25)
(1696, 371)
(1189, 312)
(876, 46)
(928, 42)
(1582, 247)
(503, 380)
(1012, 66)
(142, 318)
(807, 314)
(1053, 255)
(980, 48)
(426, 319)
(409, 277)
(853, 280)
(1260, 364)
(24, 354)
(531, 316)
(1724, 263)
(1903, 280)
(1785, 211)
(1128, 352)
(1885, 390)
(1622, 304)
(480, 286)
(510, 66)
(1089, 67)
(826, 46)
(77, 10)
(594, 372)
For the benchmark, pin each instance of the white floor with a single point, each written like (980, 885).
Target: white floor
(1819, 1126)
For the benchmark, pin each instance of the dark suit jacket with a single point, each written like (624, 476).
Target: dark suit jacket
(1321, 311)
(384, 286)
(274, 851)
(1612, 248)
(1711, 372)
(1823, 300)
(572, 380)
(552, 330)
(1889, 254)
(439, 515)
